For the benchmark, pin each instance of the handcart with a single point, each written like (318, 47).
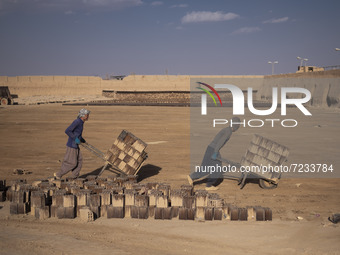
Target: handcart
(260, 161)
(125, 157)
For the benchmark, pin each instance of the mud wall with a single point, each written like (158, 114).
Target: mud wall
(26, 86)
(324, 86)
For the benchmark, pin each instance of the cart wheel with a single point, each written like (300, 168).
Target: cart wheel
(4, 101)
(267, 185)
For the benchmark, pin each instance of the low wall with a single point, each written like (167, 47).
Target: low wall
(324, 86)
(26, 86)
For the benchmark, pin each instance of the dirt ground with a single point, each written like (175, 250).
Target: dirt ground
(33, 139)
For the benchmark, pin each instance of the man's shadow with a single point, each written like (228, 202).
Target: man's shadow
(144, 172)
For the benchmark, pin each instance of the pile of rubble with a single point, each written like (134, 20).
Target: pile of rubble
(121, 197)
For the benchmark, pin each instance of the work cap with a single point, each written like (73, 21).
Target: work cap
(83, 112)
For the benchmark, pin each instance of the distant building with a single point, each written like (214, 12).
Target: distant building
(308, 69)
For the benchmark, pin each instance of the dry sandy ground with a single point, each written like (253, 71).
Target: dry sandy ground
(32, 138)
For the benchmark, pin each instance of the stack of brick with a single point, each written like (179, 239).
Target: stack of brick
(140, 210)
(3, 189)
(40, 206)
(68, 208)
(117, 206)
(127, 153)
(256, 213)
(122, 197)
(19, 196)
(264, 152)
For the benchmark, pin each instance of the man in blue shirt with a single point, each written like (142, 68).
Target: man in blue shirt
(73, 159)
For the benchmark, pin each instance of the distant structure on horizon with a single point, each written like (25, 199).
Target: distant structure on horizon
(308, 69)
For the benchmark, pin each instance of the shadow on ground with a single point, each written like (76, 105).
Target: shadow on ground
(145, 172)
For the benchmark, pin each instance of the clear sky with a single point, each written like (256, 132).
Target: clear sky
(215, 37)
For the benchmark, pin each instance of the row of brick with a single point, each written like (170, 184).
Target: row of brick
(121, 198)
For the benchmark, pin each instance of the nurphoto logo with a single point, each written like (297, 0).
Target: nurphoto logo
(239, 104)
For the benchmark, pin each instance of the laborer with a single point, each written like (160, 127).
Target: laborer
(212, 157)
(73, 159)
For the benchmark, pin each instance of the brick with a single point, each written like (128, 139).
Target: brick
(106, 197)
(165, 188)
(127, 211)
(189, 202)
(118, 200)
(183, 213)
(57, 183)
(83, 197)
(58, 198)
(91, 177)
(242, 214)
(260, 214)
(152, 211)
(2, 185)
(152, 185)
(143, 212)
(69, 200)
(209, 214)
(117, 190)
(19, 197)
(95, 200)
(218, 214)
(214, 200)
(9, 195)
(134, 212)
(168, 213)
(251, 213)
(191, 214)
(103, 211)
(96, 211)
(201, 200)
(13, 208)
(24, 208)
(153, 197)
(140, 188)
(53, 210)
(97, 189)
(42, 213)
(187, 189)
(85, 214)
(38, 199)
(141, 200)
(60, 212)
(159, 213)
(2, 196)
(128, 185)
(200, 213)
(132, 178)
(70, 212)
(176, 198)
(234, 213)
(162, 201)
(115, 212)
(268, 214)
(80, 182)
(175, 211)
(139, 145)
(130, 197)
(65, 185)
